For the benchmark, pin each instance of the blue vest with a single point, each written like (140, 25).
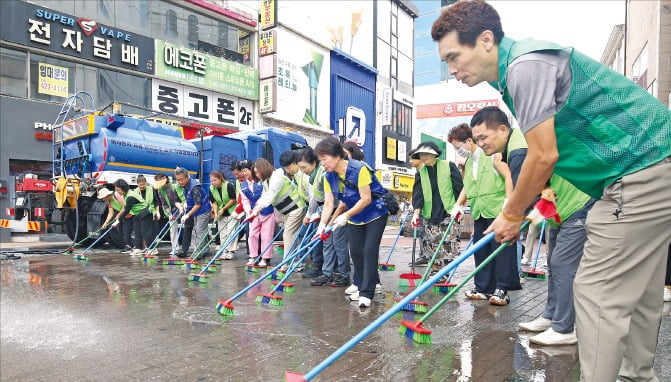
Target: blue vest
(350, 195)
(254, 195)
(205, 206)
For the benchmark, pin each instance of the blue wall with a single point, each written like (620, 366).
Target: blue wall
(353, 84)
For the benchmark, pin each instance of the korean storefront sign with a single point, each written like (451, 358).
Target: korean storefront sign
(453, 109)
(268, 99)
(39, 27)
(268, 14)
(267, 42)
(190, 67)
(202, 105)
(391, 148)
(52, 80)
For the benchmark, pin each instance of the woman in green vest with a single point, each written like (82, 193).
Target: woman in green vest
(612, 140)
(487, 183)
(433, 197)
(171, 200)
(136, 214)
(222, 197)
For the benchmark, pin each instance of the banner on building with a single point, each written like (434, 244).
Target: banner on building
(202, 105)
(268, 14)
(267, 42)
(75, 36)
(52, 80)
(268, 98)
(190, 67)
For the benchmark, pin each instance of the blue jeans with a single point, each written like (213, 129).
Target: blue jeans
(336, 254)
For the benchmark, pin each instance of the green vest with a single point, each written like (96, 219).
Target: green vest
(180, 194)
(302, 182)
(141, 204)
(569, 198)
(115, 204)
(486, 193)
(317, 181)
(444, 188)
(609, 127)
(222, 198)
(287, 197)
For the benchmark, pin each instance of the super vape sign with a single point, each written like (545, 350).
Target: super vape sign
(75, 36)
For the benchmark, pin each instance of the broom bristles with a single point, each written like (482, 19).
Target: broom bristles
(415, 332)
(225, 308)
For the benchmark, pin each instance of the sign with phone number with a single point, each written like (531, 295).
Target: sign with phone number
(52, 80)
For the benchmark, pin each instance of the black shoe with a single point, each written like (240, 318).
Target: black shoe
(182, 254)
(441, 280)
(340, 282)
(312, 274)
(126, 249)
(422, 260)
(320, 281)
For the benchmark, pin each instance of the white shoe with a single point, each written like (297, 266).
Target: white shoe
(250, 261)
(262, 263)
(154, 251)
(538, 325)
(378, 288)
(354, 296)
(228, 256)
(667, 294)
(552, 338)
(136, 252)
(526, 261)
(522, 280)
(352, 289)
(364, 302)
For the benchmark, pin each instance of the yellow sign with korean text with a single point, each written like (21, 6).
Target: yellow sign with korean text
(391, 148)
(52, 80)
(268, 14)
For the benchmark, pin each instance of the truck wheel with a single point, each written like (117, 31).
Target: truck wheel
(70, 225)
(96, 217)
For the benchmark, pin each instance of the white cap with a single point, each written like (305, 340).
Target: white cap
(104, 192)
(425, 150)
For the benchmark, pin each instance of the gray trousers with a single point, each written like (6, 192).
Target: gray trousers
(565, 248)
(336, 254)
(618, 288)
(200, 228)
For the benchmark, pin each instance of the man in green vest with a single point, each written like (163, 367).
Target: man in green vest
(612, 140)
(487, 183)
(433, 196)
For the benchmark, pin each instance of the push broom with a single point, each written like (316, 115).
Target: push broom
(174, 260)
(253, 266)
(147, 256)
(276, 300)
(203, 278)
(295, 377)
(408, 279)
(534, 273)
(82, 256)
(295, 265)
(202, 248)
(226, 308)
(386, 266)
(416, 305)
(445, 287)
(415, 331)
(305, 240)
(70, 249)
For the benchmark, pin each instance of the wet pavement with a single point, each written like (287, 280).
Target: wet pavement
(117, 318)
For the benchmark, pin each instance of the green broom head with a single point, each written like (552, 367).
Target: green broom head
(68, 251)
(280, 274)
(212, 268)
(269, 299)
(171, 261)
(285, 287)
(291, 376)
(225, 307)
(273, 276)
(200, 277)
(256, 269)
(534, 274)
(415, 306)
(386, 267)
(192, 266)
(415, 332)
(81, 257)
(148, 258)
(216, 262)
(442, 287)
(406, 283)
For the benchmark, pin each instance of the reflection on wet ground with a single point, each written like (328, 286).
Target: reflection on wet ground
(117, 318)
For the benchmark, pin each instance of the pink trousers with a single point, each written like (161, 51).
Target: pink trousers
(262, 227)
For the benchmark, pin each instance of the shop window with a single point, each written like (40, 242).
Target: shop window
(171, 23)
(13, 72)
(19, 166)
(402, 119)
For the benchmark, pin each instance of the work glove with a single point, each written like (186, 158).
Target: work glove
(115, 224)
(254, 213)
(184, 219)
(457, 213)
(314, 217)
(340, 221)
(157, 215)
(415, 221)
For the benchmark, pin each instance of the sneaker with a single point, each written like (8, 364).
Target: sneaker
(440, 280)
(354, 296)
(321, 280)
(126, 249)
(284, 268)
(311, 274)
(352, 289)
(136, 252)
(262, 263)
(474, 294)
(500, 298)
(250, 261)
(522, 278)
(182, 254)
(423, 260)
(227, 256)
(340, 282)
(540, 324)
(378, 288)
(552, 338)
(364, 302)
(526, 261)
(667, 294)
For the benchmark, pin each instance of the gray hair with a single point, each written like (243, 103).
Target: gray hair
(181, 171)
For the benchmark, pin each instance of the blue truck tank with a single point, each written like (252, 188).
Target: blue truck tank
(218, 154)
(269, 143)
(117, 143)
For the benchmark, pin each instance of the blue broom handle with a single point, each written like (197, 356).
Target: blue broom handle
(396, 308)
(306, 239)
(160, 233)
(540, 243)
(98, 239)
(398, 235)
(310, 248)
